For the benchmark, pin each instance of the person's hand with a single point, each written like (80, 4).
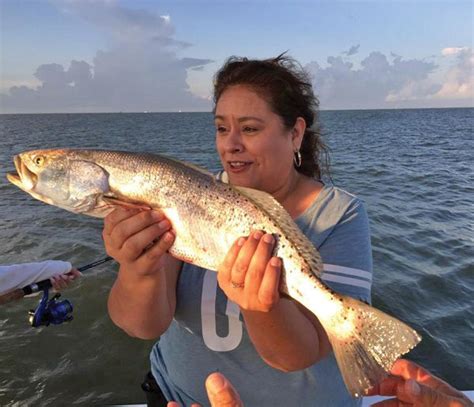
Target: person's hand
(249, 275)
(62, 281)
(220, 392)
(414, 386)
(137, 238)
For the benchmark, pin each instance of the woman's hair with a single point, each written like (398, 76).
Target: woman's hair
(287, 88)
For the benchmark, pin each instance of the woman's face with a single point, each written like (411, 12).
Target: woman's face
(255, 148)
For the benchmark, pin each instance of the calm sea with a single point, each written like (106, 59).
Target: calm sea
(412, 168)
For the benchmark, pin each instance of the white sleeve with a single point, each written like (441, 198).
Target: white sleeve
(20, 275)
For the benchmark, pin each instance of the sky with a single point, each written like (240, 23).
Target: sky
(144, 55)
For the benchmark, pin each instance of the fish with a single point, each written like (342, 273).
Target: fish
(208, 216)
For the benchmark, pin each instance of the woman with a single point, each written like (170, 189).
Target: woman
(236, 322)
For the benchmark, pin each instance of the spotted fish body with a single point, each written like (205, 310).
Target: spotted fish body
(208, 216)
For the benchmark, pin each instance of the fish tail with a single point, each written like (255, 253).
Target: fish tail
(366, 343)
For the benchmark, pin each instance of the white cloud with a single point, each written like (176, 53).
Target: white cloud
(412, 90)
(459, 80)
(375, 84)
(453, 51)
(9, 82)
(352, 50)
(139, 71)
(381, 82)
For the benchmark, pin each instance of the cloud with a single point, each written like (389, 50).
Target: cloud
(375, 84)
(194, 63)
(459, 80)
(139, 71)
(352, 50)
(382, 82)
(453, 51)
(166, 18)
(122, 24)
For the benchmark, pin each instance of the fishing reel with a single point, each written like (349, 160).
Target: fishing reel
(50, 311)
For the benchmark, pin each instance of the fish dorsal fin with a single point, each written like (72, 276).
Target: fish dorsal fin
(273, 208)
(194, 167)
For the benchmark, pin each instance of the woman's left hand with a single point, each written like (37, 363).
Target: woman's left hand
(249, 275)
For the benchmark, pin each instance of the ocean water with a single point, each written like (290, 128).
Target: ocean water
(412, 168)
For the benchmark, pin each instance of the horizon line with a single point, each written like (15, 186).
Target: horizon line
(210, 111)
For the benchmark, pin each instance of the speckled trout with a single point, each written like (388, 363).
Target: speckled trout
(208, 216)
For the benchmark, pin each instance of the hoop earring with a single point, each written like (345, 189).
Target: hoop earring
(297, 159)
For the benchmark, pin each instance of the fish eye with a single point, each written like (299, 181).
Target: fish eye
(38, 160)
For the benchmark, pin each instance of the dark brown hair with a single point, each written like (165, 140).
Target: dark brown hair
(287, 88)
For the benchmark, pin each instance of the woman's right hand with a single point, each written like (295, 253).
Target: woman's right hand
(137, 238)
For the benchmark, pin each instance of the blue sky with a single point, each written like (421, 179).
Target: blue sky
(161, 55)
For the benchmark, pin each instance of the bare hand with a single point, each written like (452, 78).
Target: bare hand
(414, 386)
(249, 275)
(62, 281)
(137, 238)
(220, 392)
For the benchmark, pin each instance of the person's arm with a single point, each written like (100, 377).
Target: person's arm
(285, 335)
(414, 386)
(142, 300)
(288, 337)
(17, 276)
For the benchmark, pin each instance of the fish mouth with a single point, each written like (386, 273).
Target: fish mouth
(24, 178)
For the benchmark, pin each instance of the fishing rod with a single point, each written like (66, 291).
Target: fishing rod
(48, 311)
(41, 285)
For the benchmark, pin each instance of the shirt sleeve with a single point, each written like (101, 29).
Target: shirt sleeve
(347, 254)
(20, 275)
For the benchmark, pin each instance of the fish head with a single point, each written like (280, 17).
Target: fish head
(61, 178)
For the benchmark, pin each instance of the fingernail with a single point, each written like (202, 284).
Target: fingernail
(268, 238)
(275, 262)
(217, 383)
(241, 241)
(156, 215)
(413, 387)
(257, 235)
(164, 224)
(168, 237)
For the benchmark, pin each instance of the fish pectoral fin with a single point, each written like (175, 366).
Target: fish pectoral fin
(117, 202)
